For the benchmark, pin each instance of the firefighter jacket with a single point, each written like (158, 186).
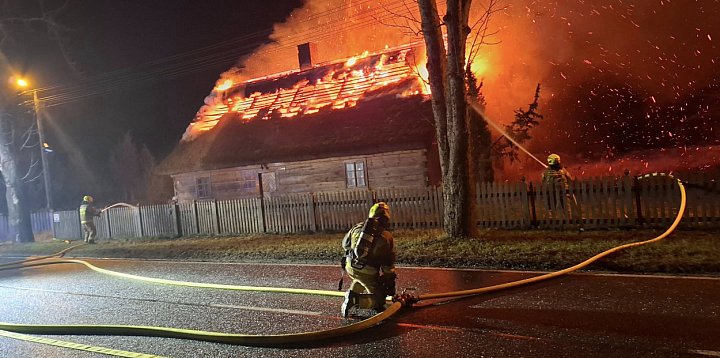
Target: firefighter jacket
(87, 211)
(557, 175)
(381, 250)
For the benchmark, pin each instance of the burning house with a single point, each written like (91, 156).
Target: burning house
(361, 123)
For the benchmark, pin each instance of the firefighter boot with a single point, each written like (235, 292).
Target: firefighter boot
(350, 302)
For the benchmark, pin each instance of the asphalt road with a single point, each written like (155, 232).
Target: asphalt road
(572, 316)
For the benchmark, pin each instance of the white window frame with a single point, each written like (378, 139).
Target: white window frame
(248, 181)
(203, 187)
(356, 174)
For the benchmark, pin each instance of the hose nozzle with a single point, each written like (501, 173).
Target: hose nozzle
(406, 298)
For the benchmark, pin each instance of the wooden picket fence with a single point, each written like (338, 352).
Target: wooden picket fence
(595, 203)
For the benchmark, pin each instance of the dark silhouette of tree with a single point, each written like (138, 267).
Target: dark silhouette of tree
(134, 171)
(519, 130)
(125, 165)
(22, 26)
(481, 162)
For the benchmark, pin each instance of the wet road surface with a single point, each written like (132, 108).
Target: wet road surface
(571, 316)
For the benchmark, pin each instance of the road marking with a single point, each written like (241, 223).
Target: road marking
(515, 336)
(255, 308)
(583, 273)
(431, 327)
(458, 329)
(703, 352)
(78, 346)
(251, 308)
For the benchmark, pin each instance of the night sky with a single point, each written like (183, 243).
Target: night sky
(157, 94)
(130, 67)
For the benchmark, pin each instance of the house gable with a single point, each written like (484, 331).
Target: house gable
(364, 125)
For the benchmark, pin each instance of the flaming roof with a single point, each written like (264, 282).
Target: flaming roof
(337, 85)
(365, 105)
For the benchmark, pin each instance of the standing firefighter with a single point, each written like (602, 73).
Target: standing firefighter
(87, 213)
(558, 179)
(370, 262)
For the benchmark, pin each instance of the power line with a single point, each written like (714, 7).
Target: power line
(214, 55)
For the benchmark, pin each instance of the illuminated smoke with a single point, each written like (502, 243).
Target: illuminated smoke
(617, 76)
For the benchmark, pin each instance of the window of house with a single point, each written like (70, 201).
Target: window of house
(248, 181)
(202, 187)
(355, 174)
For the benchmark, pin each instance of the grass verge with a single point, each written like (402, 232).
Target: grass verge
(684, 252)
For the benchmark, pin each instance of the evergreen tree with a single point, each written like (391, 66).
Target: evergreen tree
(519, 130)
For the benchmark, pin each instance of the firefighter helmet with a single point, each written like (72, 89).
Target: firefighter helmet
(380, 209)
(88, 199)
(553, 159)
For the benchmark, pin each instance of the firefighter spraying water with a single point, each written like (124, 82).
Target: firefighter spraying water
(87, 214)
(555, 176)
(558, 179)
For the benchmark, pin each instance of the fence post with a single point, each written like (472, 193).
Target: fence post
(216, 218)
(52, 223)
(531, 202)
(638, 205)
(262, 203)
(107, 222)
(628, 199)
(195, 217)
(139, 226)
(311, 209)
(176, 217)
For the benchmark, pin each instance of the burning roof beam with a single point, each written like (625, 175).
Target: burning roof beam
(339, 85)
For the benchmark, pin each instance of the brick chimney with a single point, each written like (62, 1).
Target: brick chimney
(307, 53)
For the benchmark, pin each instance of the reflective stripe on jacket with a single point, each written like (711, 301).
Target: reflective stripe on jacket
(556, 176)
(87, 211)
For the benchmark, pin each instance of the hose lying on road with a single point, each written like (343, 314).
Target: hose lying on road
(279, 339)
(13, 264)
(182, 283)
(585, 263)
(219, 337)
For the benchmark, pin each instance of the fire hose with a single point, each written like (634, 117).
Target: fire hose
(398, 302)
(118, 204)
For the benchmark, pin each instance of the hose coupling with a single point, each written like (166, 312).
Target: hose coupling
(406, 298)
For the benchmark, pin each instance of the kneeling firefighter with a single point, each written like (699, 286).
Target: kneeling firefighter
(370, 262)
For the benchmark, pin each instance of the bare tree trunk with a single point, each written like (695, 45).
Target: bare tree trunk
(459, 211)
(20, 227)
(447, 83)
(437, 66)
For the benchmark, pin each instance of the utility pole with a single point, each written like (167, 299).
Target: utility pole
(43, 155)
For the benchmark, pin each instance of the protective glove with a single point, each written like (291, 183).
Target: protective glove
(388, 282)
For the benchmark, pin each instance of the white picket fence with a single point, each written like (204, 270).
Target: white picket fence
(607, 202)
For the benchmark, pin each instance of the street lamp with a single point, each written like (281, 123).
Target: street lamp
(41, 134)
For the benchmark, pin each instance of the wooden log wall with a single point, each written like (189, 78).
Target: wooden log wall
(399, 169)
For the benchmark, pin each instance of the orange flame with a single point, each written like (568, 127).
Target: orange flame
(224, 86)
(341, 88)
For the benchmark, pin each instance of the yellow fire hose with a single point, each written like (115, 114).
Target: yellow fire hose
(57, 254)
(280, 339)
